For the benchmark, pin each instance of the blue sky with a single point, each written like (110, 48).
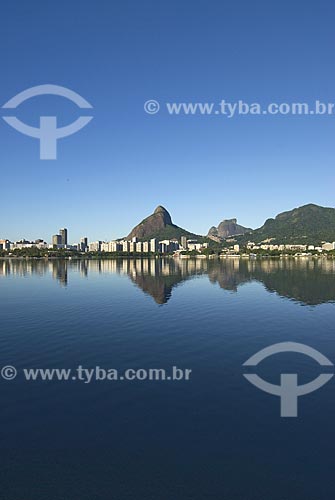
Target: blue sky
(117, 55)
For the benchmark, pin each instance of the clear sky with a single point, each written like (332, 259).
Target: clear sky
(117, 55)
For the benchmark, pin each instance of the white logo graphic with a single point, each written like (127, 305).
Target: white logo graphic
(48, 133)
(288, 390)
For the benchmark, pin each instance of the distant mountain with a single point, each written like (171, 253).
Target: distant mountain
(225, 229)
(159, 225)
(309, 223)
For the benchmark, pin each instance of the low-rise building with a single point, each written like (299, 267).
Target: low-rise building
(22, 244)
(4, 244)
(194, 245)
(328, 246)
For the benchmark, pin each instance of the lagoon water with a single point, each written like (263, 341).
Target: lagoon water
(215, 436)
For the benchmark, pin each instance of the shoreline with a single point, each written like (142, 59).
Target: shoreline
(167, 256)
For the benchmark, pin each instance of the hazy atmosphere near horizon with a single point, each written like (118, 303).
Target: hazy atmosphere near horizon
(167, 250)
(202, 168)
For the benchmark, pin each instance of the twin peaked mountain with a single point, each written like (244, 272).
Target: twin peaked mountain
(309, 223)
(159, 225)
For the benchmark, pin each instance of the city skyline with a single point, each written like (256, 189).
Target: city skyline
(62, 237)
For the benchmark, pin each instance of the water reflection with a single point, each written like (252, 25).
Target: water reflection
(308, 281)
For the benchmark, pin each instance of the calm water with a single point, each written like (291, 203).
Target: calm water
(213, 437)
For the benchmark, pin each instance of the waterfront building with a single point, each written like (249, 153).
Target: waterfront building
(125, 246)
(56, 240)
(328, 246)
(183, 242)
(153, 245)
(63, 234)
(83, 245)
(95, 246)
(146, 246)
(194, 245)
(115, 246)
(4, 244)
(139, 247)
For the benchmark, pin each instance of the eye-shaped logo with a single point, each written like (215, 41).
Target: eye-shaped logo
(288, 390)
(47, 133)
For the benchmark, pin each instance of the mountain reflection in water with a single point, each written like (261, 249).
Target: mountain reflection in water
(307, 281)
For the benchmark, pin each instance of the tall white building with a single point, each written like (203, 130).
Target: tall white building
(104, 247)
(153, 245)
(126, 246)
(146, 246)
(95, 246)
(115, 246)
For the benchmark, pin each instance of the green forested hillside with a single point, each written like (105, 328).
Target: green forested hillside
(309, 223)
